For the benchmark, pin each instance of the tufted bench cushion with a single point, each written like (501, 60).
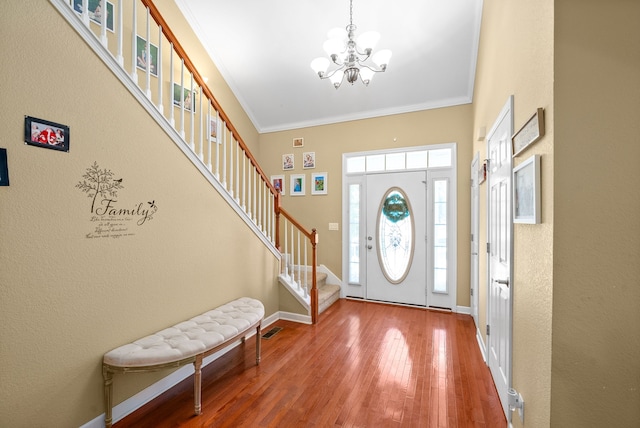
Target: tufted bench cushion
(189, 338)
(187, 342)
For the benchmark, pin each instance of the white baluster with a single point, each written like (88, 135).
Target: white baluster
(224, 160)
(286, 248)
(85, 12)
(159, 71)
(244, 181)
(172, 118)
(223, 128)
(231, 150)
(181, 98)
(238, 174)
(103, 27)
(119, 56)
(210, 131)
(148, 59)
(299, 263)
(306, 271)
(134, 31)
(192, 116)
(202, 129)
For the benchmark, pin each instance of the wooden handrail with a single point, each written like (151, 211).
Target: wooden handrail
(157, 17)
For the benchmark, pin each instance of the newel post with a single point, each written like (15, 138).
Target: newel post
(314, 281)
(276, 208)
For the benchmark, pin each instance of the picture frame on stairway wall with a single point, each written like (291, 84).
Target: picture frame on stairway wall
(278, 183)
(185, 98)
(146, 57)
(46, 134)
(96, 11)
(297, 184)
(319, 183)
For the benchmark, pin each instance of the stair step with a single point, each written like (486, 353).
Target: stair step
(327, 295)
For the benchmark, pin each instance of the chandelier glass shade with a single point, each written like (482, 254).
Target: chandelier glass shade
(349, 56)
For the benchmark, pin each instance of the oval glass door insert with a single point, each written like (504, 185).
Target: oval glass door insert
(395, 235)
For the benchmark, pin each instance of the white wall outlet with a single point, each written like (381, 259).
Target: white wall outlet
(334, 226)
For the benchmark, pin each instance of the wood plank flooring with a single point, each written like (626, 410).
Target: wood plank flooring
(363, 365)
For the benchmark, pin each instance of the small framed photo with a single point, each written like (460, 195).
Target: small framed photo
(309, 160)
(146, 57)
(298, 142)
(278, 183)
(183, 97)
(43, 133)
(212, 127)
(287, 162)
(319, 183)
(4, 168)
(297, 185)
(526, 191)
(96, 11)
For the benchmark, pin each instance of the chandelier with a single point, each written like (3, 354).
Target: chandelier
(351, 57)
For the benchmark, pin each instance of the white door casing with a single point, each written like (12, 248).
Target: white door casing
(475, 232)
(500, 253)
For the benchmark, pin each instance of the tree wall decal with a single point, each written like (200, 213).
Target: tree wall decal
(99, 182)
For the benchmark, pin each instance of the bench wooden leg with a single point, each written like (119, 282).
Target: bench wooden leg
(108, 394)
(197, 384)
(258, 344)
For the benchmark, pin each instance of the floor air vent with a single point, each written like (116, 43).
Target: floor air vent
(271, 332)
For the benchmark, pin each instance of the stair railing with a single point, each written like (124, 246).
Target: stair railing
(299, 257)
(134, 40)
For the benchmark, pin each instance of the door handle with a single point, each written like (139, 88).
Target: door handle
(502, 281)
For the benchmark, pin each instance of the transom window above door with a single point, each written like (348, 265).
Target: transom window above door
(401, 160)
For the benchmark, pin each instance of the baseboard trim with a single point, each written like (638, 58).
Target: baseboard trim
(483, 350)
(291, 316)
(466, 310)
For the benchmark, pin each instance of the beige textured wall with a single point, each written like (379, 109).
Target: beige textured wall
(596, 320)
(329, 142)
(516, 58)
(66, 299)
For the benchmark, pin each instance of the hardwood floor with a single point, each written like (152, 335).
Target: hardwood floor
(364, 365)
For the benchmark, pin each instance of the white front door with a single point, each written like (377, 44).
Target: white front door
(395, 237)
(475, 231)
(500, 228)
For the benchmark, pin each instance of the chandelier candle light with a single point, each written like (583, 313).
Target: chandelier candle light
(352, 58)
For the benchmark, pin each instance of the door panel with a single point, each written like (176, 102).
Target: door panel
(395, 237)
(499, 316)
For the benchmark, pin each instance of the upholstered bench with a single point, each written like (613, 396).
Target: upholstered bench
(187, 342)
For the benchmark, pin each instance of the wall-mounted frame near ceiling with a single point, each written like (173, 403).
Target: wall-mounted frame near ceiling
(530, 132)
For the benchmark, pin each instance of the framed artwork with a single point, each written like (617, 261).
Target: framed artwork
(43, 133)
(287, 161)
(309, 160)
(144, 58)
(298, 142)
(297, 185)
(96, 11)
(4, 168)
(212, 127)
(319, 183)
(278, 183)
(183, 97)
(526, 191)
(530, 132)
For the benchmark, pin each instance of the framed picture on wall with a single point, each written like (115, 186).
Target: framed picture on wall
(309, 160)
(297, 185)
(287, 162)
(146, 57)
(319, 183)
(526, 191)
(43, 133)
(4, 168)
(183, 97)
(298, 142)
(278, 183)
(96, 11)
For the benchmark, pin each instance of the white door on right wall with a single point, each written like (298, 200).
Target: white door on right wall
(500, 228)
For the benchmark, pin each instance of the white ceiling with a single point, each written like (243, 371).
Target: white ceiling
(263, 50)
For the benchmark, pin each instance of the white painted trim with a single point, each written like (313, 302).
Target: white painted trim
(465, 310)
(483, 350)
(291, 316)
